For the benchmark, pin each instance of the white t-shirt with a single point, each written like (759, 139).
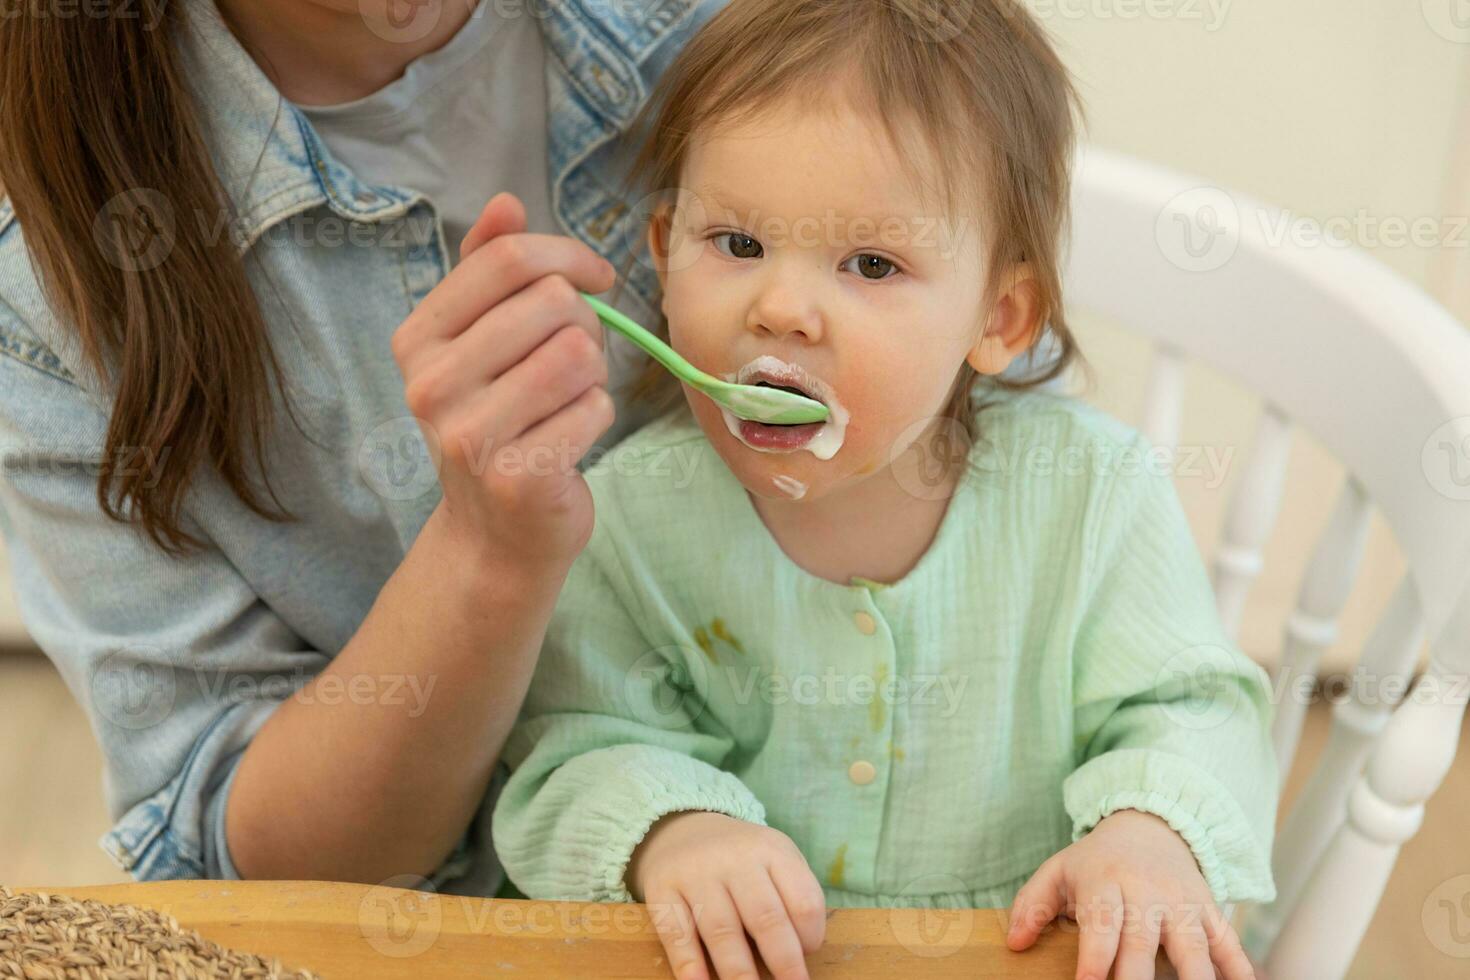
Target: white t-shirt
(461, 124)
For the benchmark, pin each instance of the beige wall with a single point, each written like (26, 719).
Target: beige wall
(1329, 109)
(1324, 107)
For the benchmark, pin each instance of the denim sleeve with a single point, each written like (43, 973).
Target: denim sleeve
(176, 661)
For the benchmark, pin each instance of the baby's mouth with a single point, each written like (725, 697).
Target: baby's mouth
(793, 389)
(822, 438)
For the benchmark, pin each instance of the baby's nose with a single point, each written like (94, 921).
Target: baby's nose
(785, 311)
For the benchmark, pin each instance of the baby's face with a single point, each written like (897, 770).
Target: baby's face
(800, 254)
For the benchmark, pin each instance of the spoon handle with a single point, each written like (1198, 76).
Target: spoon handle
(645, 339)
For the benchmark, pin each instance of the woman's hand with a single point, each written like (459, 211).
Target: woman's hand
(724, 878)
(1131, 871)
(503, 367)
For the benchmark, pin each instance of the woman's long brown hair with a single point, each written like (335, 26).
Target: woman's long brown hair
(96, 122)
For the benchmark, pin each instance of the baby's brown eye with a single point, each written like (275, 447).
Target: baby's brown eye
(739, 246)
(875, 267)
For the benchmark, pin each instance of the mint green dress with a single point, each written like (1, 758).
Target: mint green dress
(1053, 657)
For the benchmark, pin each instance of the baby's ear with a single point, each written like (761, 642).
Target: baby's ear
(1014, 324)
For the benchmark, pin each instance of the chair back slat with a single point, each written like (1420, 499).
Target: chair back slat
(1254, 503)
(1312, 626)
(1163, 403)
(1385, 667)
(1385, 807)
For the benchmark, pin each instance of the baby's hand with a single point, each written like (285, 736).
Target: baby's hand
(1131, 871)
(737, 878)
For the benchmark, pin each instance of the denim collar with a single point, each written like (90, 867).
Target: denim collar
(272, 164)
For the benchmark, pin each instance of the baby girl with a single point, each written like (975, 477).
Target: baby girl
(953, 647)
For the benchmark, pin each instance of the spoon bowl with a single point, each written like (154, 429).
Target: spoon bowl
(754, 403)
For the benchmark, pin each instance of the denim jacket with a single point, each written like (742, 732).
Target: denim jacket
(178, 662)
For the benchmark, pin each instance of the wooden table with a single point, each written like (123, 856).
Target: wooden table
(347, 930)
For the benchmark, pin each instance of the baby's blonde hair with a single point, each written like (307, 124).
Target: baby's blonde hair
(976, 79)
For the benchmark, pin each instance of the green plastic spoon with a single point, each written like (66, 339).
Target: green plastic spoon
(772, 406)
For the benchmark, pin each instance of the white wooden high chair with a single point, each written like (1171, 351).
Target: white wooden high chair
(1379, 374)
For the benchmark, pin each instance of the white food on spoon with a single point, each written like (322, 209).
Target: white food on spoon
(829, 438)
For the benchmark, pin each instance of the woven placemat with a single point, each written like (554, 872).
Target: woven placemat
(52, 937)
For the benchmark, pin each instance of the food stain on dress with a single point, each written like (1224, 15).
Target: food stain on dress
(877, 714)
(702, 638)
(717, 626)
(837, 871)
(722, 633)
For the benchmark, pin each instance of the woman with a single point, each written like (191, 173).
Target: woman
(233, 318)
(290, 418)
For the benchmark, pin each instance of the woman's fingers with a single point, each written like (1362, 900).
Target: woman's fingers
(766, 919)
(1099, 914)
(564, 438)
(498, 270)
(722, 930)
(805, 903)
(504, 214)
(497, 343)
(507, 333)
(550, 378)
(674, 924)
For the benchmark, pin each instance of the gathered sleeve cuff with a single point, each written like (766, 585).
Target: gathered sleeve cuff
(1235, 862)
(571, 836)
